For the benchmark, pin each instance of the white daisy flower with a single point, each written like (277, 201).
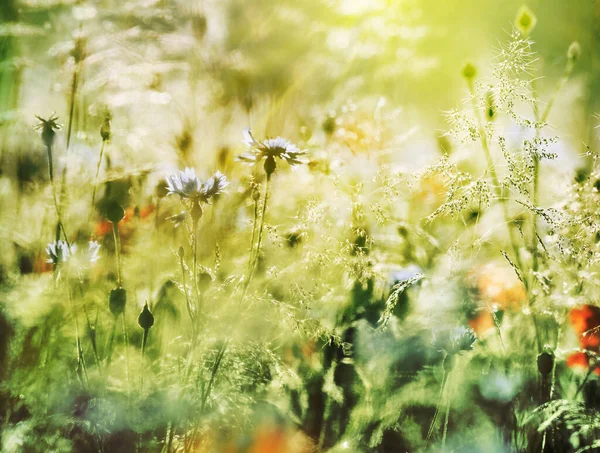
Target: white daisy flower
(271, 149)
(187, 185)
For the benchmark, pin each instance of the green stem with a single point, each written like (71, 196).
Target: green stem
(74, 84)
(53, 186)
(213, 374)
(260, 236)
(144, 341)
(111, 341)
(92, 335)
(187, 298)
(195, 261)
(536, 160)
(126, 339)
(495, 180)
(254, 227)
(80, 358)
(96, 178)
(438, 406)
(117, 242)
(447, 416)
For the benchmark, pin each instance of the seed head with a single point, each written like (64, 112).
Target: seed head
(48, 127)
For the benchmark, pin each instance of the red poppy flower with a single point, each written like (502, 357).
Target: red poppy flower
(586, 322)
(580, 360)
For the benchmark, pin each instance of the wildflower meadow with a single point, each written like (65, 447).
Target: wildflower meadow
(236, 226)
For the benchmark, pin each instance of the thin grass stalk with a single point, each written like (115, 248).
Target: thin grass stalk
(438, 406)
(213, 374)
(254, 225)
(223, 348)
(54, 196)
(80, 358)
(74, 84)
(504, 202)
(126, 339)
(187, 297)
(102, 147)
(536, 161)
(117, 242)
(92, 336)
(111, 341)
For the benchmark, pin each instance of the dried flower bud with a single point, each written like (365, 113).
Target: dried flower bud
(117, 301)
(79, 49)
(545, 362)
(105, 129)
(49, 127)
(146, 318)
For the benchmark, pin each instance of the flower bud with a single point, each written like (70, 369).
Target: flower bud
(162, 189)
(490, 106)
(329, 125)
(48, 136)
(199, 26)
(114, 212)
(146, 318)
(196, 212)
(574, 52)
(181, 252)
(117, 301)
(105, 129)
(469, 71)
(270, 165)
(545, 362)
(525, 21)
